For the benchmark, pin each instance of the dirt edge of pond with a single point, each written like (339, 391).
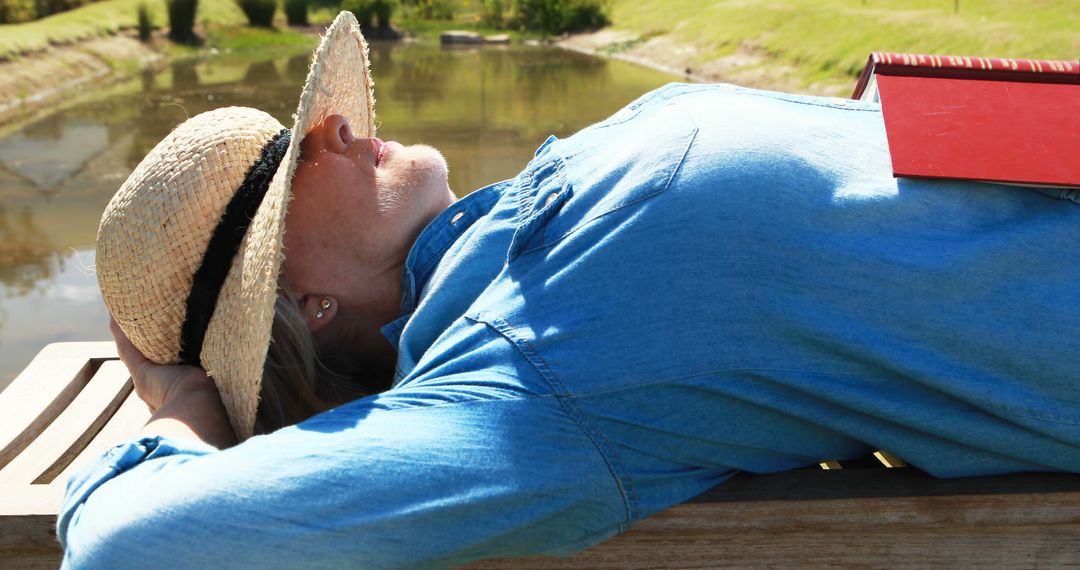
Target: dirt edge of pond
(747, 66)
(32, 81)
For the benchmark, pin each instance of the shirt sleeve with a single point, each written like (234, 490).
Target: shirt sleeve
(409, 478)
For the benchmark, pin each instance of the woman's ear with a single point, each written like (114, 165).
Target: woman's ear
(318, 310)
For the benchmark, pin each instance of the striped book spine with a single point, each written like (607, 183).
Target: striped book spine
(968, 67)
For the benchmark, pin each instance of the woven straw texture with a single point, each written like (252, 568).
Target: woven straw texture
(155, 230)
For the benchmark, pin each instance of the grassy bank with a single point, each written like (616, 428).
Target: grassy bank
(812, 45)
(220, 22)
(829, 40)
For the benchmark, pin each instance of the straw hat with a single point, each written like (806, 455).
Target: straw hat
(154, 240)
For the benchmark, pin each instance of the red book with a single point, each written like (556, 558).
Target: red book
(1000, 120)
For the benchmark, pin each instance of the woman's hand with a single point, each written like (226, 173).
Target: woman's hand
(154, 383)
(183, 400)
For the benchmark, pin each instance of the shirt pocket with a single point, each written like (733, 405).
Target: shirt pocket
(571, 189)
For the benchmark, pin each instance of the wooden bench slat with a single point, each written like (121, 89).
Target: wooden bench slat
(916, 549)
(38, 394)
(69, 433)
(23, 500)
(28, 526)
(125, 423)
(966, 530)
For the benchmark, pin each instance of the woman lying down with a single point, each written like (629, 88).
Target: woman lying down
(348, 367)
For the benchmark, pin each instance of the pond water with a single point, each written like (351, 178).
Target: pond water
(487, 108)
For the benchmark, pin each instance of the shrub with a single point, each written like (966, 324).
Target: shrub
(296, 12)
(436, 9)
(145, 27)
(259, 12)
(43, 8)
(585, 15)
(384, 10)
(64, 5)
(182, 19)
(559, 16)
(17, 11)
(364, 10)
(494, 13)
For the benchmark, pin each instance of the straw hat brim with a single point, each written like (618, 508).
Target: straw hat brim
(238, 336)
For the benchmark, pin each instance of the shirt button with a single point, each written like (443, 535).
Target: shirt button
(551, 198)
(456, 217)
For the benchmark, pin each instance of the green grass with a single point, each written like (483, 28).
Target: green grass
(248, 38)
(831, 39)
(221, 22)
(468, 17)
(824, 40)
(432, 28)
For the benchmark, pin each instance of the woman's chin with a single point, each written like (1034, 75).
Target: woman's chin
(430, 176)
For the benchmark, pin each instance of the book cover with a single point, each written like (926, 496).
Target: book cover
(998, 120)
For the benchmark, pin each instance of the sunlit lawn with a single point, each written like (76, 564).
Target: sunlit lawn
(222, 20)
(832, 38)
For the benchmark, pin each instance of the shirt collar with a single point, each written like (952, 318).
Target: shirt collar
(431, 245)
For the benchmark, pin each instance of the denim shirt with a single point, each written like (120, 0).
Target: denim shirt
(714, 279)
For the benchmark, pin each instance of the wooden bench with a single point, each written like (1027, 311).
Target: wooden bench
(75, 400)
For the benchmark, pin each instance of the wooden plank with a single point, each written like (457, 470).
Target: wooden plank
(1016, 530)
(991, 547)
(38, 395)
(1013, 530)
(124, 425)
(69, 433)
(26, 500)
(28, 526)
(30, 560)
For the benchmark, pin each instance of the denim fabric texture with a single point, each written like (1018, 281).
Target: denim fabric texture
(714, 279)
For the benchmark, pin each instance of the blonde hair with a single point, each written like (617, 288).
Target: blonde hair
(297, 382)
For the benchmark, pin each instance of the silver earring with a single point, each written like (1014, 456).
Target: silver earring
(319, 315)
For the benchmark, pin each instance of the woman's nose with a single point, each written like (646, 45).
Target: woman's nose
(334, 134)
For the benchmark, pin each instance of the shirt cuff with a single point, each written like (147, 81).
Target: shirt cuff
(115, 461)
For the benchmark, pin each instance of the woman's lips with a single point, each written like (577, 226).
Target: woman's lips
(378, 148)
(383, 149)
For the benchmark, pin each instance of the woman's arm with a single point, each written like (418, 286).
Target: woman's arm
(421, 477)
(183, 400)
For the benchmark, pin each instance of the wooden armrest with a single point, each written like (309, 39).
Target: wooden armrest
(71, 403)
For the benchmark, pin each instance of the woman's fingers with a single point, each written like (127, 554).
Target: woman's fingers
(154, 383)
(129, 355)
(136, 364)
(184, 395)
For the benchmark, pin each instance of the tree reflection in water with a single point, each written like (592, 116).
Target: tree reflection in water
(297, 68)
(28, 258)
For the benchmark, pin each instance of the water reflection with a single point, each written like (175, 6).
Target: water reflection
(66, 306)
(486, 108)
(28, 257)
(31, 155)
